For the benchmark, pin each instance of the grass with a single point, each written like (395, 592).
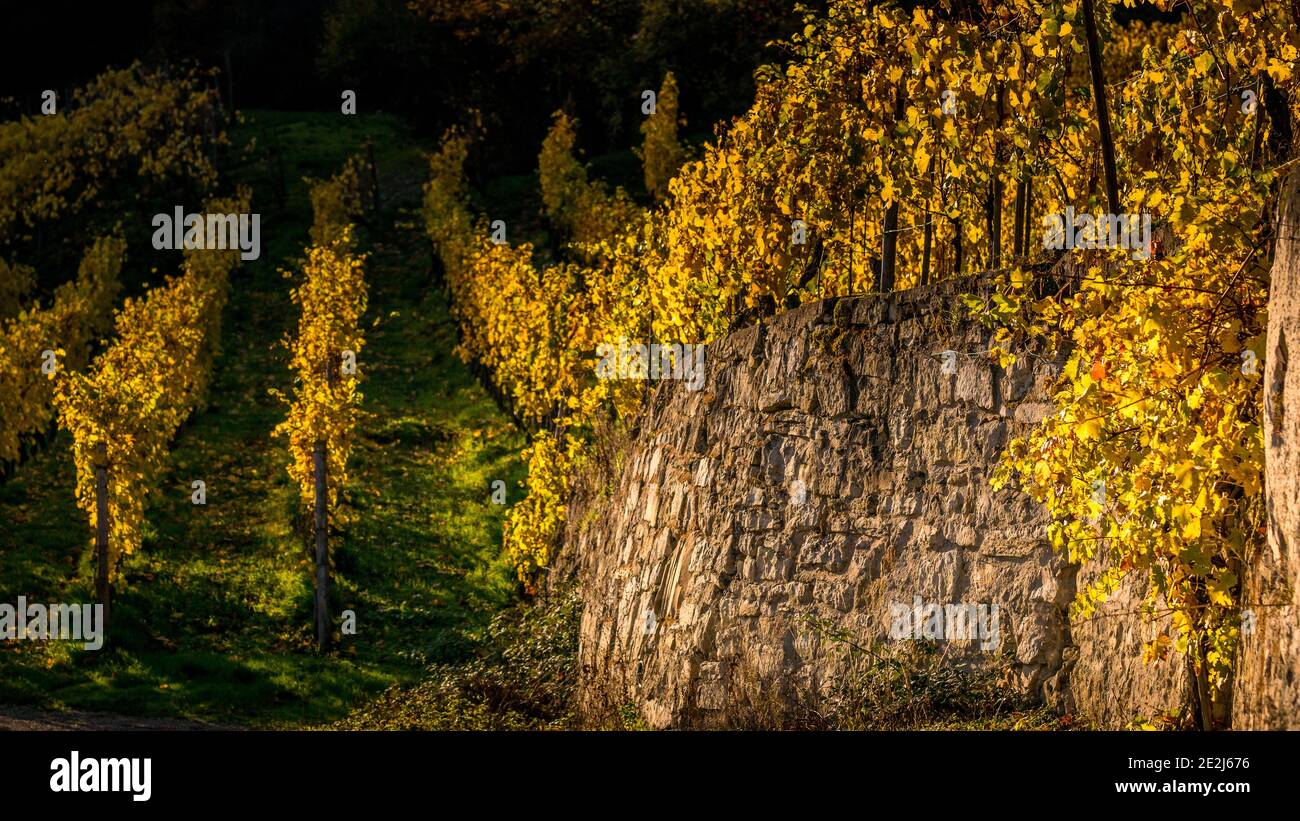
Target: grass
(212, 617)
(522, 677)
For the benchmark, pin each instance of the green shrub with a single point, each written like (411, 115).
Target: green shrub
(522, 678)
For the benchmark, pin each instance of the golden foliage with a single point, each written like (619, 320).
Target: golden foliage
(580, 207)
(331, 298)
(340, 201)
(80, 312)
(661, 153)
(139, 391)
(534, 525)
(151, 125)
(1153, 463)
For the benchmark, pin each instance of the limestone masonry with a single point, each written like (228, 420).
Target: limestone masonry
(835, 464)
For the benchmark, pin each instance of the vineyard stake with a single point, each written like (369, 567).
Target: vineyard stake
(1018, 233)
(103, 590)
(1102, 109)
(993, 205)
(322, 550)
(889, 231)
(322, 529)
(374, 175)
(1029, 212)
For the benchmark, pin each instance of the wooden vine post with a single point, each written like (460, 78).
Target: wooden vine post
(1102, 109)
(103, 586)
(374, 175)
(994, 203)
(320, 463)
(889, 231)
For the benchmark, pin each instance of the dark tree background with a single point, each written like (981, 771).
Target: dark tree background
(430, 61)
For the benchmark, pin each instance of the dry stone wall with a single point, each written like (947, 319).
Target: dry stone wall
(1267, 690)
(834, 468)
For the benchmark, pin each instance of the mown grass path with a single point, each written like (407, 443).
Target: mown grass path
(213, 618)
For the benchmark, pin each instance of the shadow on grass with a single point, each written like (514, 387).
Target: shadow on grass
(212, 618)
